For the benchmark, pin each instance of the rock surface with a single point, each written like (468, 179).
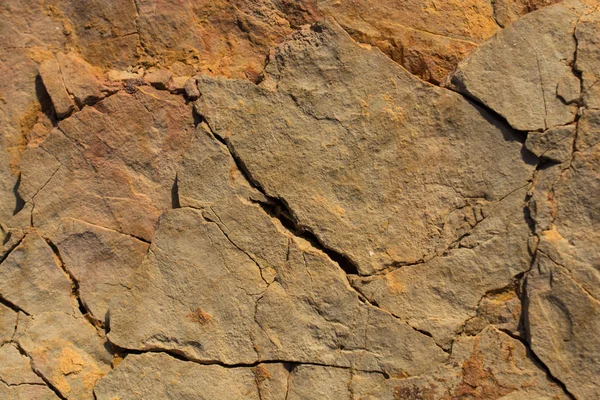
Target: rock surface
(269, 199)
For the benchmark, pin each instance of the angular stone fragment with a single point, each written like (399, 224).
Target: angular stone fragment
(347, 143)
(53, 82)
(79, 79)
(191, 89)
(555, 144)
(516, 73)
(15, 368)
(31, 278)
(101, 260)
(502, 309)
(66, 350)
(439, 296)
(159, 376)
(562, 320)
(159, 79)
(113, 75)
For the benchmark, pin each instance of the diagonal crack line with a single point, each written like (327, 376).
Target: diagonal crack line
(48, 383)
(569, 272)
(218, 224)
(112, 230)
(286, 216)
(9, 304)
(83, 309)
(374, 304)
(526, 341)
(289, 222)
(10, 250)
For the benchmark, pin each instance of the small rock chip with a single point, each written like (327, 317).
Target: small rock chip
(51, 77)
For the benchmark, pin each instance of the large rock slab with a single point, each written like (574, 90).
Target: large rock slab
(562, 289)
(246, 290)
(353, 145)
(489, 365)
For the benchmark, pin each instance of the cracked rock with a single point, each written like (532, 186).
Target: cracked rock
(356, 157)
(71, 356)
(15, 368)
(224, 308)
(283, 200)
(55, 85)
(516, 73)
(31, 279)
(439, 296)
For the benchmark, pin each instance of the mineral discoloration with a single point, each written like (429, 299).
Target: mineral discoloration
(274, 200)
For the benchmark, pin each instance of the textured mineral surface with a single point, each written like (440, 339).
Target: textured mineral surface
(295, 200)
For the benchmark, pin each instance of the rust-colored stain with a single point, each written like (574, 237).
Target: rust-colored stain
(199, 316)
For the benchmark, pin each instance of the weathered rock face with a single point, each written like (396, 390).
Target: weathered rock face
(271, 200)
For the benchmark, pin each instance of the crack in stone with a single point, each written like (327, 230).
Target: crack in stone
(39, 373)
(82, 307)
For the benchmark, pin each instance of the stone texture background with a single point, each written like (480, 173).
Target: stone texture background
(276, 199)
